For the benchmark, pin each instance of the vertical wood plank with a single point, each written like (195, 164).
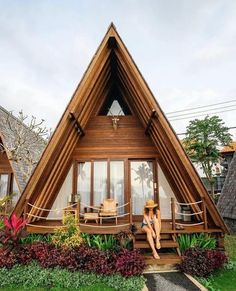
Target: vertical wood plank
(173, 212)
(204, 213)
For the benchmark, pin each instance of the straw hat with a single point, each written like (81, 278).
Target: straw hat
(150, 204)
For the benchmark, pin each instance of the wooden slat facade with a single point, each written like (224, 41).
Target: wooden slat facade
(113, 67)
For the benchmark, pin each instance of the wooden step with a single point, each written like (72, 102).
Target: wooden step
(165, 258)
(164, 244)
(141, 235)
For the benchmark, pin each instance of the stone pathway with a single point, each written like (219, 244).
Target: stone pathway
(175, 281)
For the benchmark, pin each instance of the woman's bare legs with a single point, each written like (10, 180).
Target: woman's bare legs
(157, 231)
(151, 241)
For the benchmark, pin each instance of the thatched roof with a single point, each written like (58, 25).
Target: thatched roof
(6, 135)
(227, 201)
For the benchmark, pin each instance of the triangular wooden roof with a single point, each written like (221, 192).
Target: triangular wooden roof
(95, 83)
(227, 200)
(8, 140)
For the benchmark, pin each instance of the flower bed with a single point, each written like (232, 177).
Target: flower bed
(83, 258)
(66, 254)
(34, 276)
(202, 262)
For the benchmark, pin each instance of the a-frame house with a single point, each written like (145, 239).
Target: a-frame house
(14, 173)
(114, 141)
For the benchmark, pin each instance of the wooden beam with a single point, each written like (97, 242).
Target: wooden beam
(152, 115)
(77, 124)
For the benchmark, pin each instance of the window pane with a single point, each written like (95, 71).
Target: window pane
(100, 182)
(141, 185)
(3, 185)
(16, 191)
(117, 183)
(84, 183)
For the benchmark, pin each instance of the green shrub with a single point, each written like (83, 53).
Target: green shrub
(69, 234)
(1, 224)
(101, 241)
(36, 237)
(33, 276)
(202, 240)
(202, 262)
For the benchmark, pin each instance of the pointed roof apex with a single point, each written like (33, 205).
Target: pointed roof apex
(111, 29)
(112, 25)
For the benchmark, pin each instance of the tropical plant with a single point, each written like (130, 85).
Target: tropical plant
(203, 138)
(13, 230)
(69, 234)
(205, 241)
(202, 262)
(125, 238)
(1, 224)
(101, 241)
(130, 263)
(34, 277)
(36, 237)
(201, 240)
(5, 202)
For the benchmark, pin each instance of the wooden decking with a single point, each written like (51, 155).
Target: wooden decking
(48, 226)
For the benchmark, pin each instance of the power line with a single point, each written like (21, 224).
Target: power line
(199, 107)
(191, 113)
(194, 116)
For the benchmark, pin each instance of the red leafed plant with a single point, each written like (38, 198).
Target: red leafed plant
(12, 231)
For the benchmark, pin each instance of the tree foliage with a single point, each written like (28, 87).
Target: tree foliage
(202, 143)
(27, 141)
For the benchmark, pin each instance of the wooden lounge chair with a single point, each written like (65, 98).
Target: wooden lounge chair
(108, 209)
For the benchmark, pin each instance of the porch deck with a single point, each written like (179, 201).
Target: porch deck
(49, 226)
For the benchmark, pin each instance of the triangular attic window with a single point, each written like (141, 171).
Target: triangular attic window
(115, 106)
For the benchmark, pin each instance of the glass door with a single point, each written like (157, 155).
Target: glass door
(141, 183)
(117, 183)
(99, 180)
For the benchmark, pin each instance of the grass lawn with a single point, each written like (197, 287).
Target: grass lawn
(96, 287)
(224, 280)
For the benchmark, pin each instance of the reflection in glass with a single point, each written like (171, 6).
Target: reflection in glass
(84, 183)
(16, 191)
(141, 185)
(117, 183)
(3, 184)
(100, 182)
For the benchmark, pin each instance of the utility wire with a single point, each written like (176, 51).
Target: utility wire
(207, 110)
(194, 116)
(199, 107)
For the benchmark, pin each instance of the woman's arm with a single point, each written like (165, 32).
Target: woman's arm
(159, 217)
(149, 225)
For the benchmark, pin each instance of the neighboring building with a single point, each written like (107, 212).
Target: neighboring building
(114, 141)
(227, 201)
(227, 155)
(12, 177)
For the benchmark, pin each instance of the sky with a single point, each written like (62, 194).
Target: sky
(185, 49)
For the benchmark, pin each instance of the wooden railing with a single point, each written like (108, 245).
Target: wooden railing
(198, 211)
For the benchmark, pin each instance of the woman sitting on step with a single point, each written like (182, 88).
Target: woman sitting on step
(151, 225)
